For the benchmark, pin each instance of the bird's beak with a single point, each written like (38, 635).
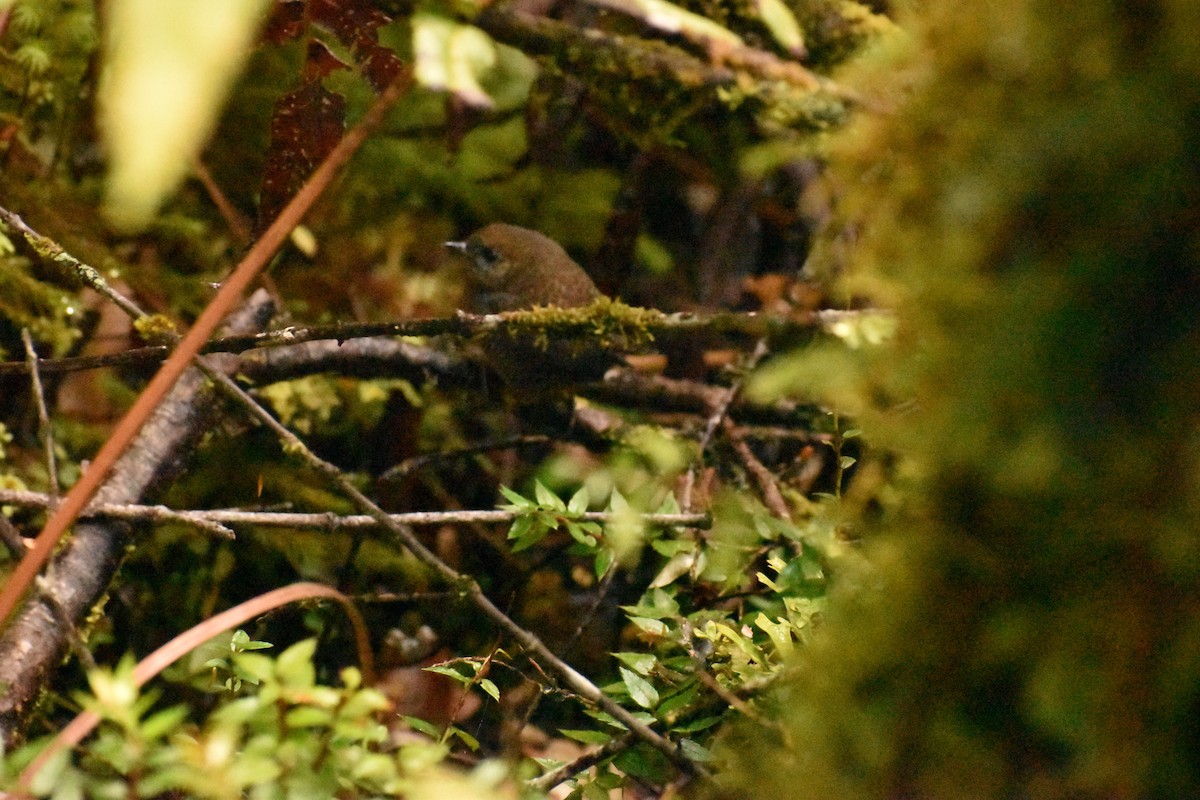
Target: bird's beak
(459, 246)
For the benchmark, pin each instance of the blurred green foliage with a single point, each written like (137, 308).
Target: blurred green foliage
(1028, 625)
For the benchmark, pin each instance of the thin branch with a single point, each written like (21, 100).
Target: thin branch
(34, 642)
(465, 325)
(410, 465)
(238, 225)
(720, 409)
(545, 783)
(53, 252)
(465, 584)
(274, 519)
(39, 398)
(231, 289)
(767, 486)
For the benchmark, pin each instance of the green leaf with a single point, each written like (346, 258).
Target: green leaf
(579, 502)
(547, 498)
(449, 672)
(422, 726)
(603, 563)
(694, 751)
(295, 664)
(467, 739)
(520, 527)
(578, 535)
(617, 503)
(644, 762)
(641, 663)
(696, 725)
(782, 24)
(847, 462)
(163, 722)
(490, 688)
(640, 690)
(655, 627)
(514, 498)
(308, 717)
(587, 737)
(851, 433)
(679, 698)
(535, 533)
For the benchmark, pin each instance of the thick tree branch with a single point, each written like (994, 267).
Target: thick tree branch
(34, 642)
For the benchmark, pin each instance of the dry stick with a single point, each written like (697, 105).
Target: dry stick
(718, 414)
(767, 486)
(33, 642)
(214, 520)
(39, 398)
(544, 783)
(465, 585)
(181, 357)
(740, 323)
(234, 219)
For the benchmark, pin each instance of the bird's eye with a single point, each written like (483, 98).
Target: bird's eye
(487, 257)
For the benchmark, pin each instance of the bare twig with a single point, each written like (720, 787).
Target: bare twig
(232, 288)
(275, 519)
(39, 398)
(545, 783)
(53, 252)
(718, 413)
(239, 226)
(33, 643)
(467, 587)
(420, 462)
(727, 323)
(767, 486)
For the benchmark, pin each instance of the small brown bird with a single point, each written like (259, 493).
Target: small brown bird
(514, 268)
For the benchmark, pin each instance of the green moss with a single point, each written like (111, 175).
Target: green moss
(156, 328)
(606, 323)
